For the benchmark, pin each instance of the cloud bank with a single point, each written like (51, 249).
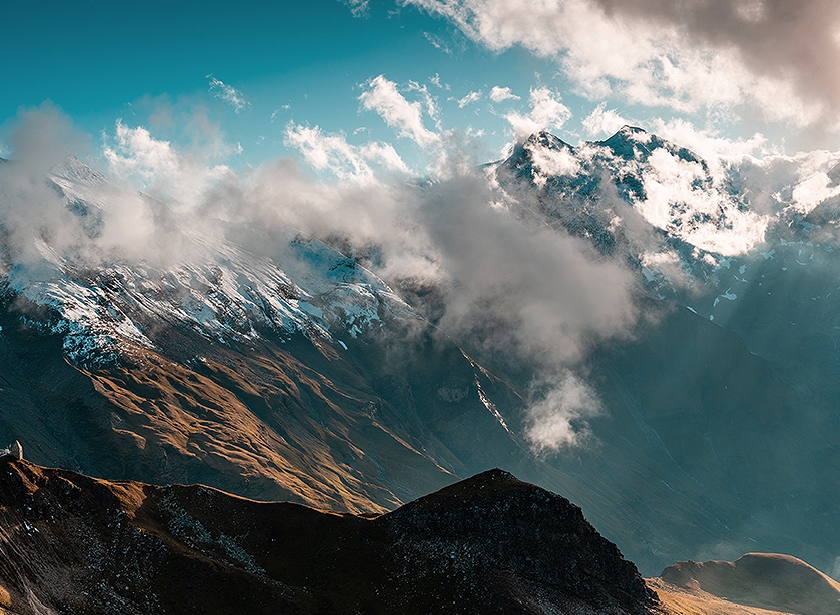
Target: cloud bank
(515, 291)
(780, 58)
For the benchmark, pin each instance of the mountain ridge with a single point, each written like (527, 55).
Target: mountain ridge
(83, 545)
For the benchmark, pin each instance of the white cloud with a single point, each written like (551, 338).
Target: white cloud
(698, 57)
(438, 43)
(499, 94)
(469, 99)
(603, 121)
(228, 94)
(547, 112)
(435, 81)
(558, 419)
(406, 117)
(812, 184)
(549, 162)
(359, 8)
(155, 166)
(332, 152)
(678, 200)
(135, 153)
(709, 143)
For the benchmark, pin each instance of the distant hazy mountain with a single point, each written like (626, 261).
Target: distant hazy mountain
(778, 583)
(278, 365)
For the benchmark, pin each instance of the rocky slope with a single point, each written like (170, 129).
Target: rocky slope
(777, 583)
(72, 544)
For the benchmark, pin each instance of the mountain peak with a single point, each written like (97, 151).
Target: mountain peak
(543, 138)
(501, 518)
(73, 169)
(247, 556)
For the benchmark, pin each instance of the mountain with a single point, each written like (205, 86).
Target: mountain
(736, 414)
(72, 544)
(779, 583)
(278, 365)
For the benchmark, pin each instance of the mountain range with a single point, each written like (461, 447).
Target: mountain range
(280, 365)
(491, 543)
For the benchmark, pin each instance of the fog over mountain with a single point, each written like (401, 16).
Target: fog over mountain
(616, 321)
(347, 255)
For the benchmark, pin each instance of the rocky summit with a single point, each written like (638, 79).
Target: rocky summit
(490, 544)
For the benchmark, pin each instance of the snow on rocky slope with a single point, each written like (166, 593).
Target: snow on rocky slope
(221, 289)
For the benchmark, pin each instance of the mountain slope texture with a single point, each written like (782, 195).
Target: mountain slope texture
(277, 365)
(490, 544)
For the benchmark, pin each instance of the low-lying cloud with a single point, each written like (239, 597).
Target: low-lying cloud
(512, 291)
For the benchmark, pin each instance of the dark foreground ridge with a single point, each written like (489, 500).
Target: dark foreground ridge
(489, 544)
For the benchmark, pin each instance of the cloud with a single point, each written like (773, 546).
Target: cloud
(709, 143)
(547, 113)
(32, 213)
(40, 137)
(677, 192)
(155, 166)
(515, 290)
(438, 43)
(780, 58)
(383, 97)
(333, 153)
(557, 419)
(228, 94)
(435, 81)
(499, 94)
(359, 8)
(469, 99)
(548, 162)
(603, 122)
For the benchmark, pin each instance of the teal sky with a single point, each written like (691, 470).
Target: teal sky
(154, 65)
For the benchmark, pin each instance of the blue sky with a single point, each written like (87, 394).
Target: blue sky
(99, 61)
(235, 80)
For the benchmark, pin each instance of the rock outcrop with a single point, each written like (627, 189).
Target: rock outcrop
(490, 544)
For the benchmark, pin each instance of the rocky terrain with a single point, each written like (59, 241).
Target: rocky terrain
(489, 544)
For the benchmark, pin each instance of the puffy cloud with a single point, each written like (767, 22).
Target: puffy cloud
(551, 162)
(43, 136)
(406, 117)
(469, 99)
(136, 153)
(155, 166)
(558, 418)
(32, 214)
(333, 153)
(547, 112)
(781, 57)
(675, 190)
(499, 94)
(603, 121)
(710, 143)
(517, 291)
(228, 94)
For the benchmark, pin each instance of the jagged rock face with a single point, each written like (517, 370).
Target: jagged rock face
(527, 540)
(72, 544)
